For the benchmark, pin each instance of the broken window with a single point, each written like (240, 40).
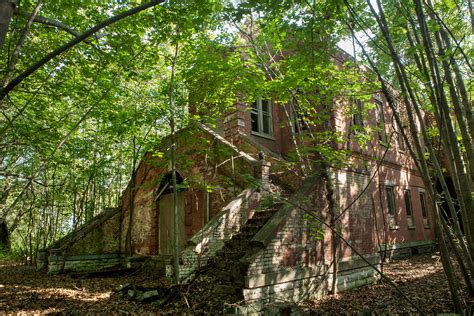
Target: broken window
(261, 117)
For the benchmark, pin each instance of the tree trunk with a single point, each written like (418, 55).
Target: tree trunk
(6, 12)
(176, 226)
(4, 236)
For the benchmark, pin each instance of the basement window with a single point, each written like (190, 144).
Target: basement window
(261, 118)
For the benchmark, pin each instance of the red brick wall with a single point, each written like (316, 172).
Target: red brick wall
(194, 148)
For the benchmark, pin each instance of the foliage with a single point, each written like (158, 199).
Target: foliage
(72, 133)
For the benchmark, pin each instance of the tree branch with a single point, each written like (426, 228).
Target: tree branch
(55, 23)
(21, 42)
(49, 22)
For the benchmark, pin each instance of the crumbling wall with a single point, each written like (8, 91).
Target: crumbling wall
(291, 265)
(214, 172)
(102, 240)
(95, 246)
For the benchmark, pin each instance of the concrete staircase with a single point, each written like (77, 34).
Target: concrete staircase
(238, 246)
(225, 271)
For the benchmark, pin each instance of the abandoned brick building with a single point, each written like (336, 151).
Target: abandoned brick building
(226, 175)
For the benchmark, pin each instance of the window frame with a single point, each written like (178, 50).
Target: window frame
(357, 117)
(380, 117)
(408, 208)
(424, 209)
(401, 142)
(391, 207)
(298, 122)
(261, 115)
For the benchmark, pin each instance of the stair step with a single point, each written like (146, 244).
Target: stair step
(262, 215)
(257, 222)
(248, 231)
(252, 226)
(234, 243)
(243, 238)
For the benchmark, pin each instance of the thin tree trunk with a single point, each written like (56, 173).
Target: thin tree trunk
(7, 7)
(129, 243)
(410, 100)
(176, 217)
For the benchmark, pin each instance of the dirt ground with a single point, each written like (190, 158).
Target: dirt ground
(22, 290)
(420, 278)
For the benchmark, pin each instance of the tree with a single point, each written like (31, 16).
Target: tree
(70, 113)
(426, 50)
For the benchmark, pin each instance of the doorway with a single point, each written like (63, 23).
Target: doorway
(166, 223)
(165, 207)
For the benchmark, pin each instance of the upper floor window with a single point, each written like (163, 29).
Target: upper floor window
(261, 117)
(298, 117)
(357, 117)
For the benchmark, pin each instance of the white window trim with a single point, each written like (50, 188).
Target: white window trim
(259, 113)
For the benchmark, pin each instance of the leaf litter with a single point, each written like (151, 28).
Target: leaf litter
(23, 290)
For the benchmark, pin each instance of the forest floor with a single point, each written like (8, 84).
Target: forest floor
(22, 290)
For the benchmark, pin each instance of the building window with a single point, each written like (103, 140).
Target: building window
(379, 114)
(391, 206)
(299, 122)
(298, 117)
(261, 117)
(424, 212)
(409, 208)
(357, 120)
